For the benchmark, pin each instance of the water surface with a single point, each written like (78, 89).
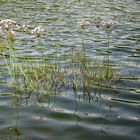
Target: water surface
(108, 113)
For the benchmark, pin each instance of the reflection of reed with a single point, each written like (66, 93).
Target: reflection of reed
(15, 115)
(75, 112)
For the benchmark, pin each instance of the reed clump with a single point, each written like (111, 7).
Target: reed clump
(40, 78)
(48, 76)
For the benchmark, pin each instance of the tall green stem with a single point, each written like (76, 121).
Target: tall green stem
(84, 63)
(99, 57)
(83, 44)
(13, 60)
(108, 48)
(108, 51)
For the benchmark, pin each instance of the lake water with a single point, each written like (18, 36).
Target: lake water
(109, 112)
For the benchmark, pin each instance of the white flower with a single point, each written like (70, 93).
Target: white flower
(107, 24)
(38, 31)
(83, 23)
(1, 32)
(6, 23)
(11, 35)
(22, 28)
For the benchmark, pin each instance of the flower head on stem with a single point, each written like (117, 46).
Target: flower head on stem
(38, 31)
(108, 71)
(107, 24)
(11, 35)
(6, 23)
(83, 24)
(22, 28)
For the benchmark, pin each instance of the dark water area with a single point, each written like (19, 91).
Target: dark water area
(107, 113)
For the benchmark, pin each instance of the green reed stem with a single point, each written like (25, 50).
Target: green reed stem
(108, 48)
(13, 61)
(99, 57)
(108, 57)
(7, 65)
(27, 80)
(83, 44)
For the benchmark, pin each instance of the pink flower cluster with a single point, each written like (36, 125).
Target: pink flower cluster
(22, 28)
(97, 22)
(11, 35)
(107, 24)
(6, 23)
(38, 31)
(83, 23)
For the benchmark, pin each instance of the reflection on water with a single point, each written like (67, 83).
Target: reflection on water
(100, 116)
(107, 112)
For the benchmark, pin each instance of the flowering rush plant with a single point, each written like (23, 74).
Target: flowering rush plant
(9, 28)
